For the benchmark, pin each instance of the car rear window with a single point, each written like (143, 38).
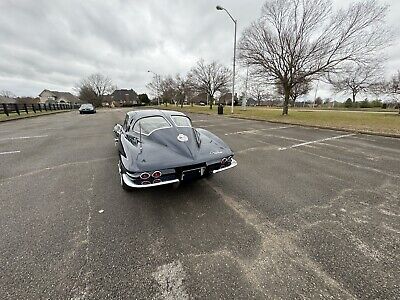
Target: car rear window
(150, 124)
(181, 121)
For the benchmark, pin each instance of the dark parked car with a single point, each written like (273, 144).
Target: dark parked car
(157, 147)
(87, 109)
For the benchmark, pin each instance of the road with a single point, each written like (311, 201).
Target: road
(307, 213)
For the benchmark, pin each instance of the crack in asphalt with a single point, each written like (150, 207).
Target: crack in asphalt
(78, 292)
(75, 163)
(279, 255)
(352, 164)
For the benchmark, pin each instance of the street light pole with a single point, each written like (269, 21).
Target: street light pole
(234, 55)
(158, 81)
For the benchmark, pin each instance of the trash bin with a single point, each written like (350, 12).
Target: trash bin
(220, 109)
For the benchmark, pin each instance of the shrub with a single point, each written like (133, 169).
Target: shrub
(365, 104)
(376, 103)
(348, 103)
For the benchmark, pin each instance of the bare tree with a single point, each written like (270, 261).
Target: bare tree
(184, 89)
(209, 78)
(356, 78)
(86, 94)
(7, 94)
(258, 90)
(392, 88)
(93, 88)
(300, 89)
(168, 89)
(155, 87)
(393, 85)
(295, 40)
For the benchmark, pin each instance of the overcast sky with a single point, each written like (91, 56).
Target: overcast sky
(51, 44)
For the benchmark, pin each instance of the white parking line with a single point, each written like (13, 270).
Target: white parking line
(317, 141)
(222, 124)
(23, 137)
(254, 131)
(10, 152)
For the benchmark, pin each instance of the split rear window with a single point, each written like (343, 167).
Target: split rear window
(150, 124)
(181, 121)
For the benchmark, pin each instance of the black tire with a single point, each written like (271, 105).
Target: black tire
(209, 175)
(176, 185)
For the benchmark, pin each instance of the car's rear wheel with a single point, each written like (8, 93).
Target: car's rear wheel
(121, 178)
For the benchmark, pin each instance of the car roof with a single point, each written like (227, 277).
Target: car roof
(137, 114)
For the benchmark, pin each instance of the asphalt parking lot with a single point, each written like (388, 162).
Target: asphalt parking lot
(307, 213)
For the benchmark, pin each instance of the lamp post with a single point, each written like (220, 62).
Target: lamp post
(158, 83)
(234, 54)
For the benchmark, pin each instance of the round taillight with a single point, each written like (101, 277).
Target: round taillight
(223, 161)
(156, 180)
(144, 176)
(145, 182)
(156, 174)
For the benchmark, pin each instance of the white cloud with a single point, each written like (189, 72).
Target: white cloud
(53, 43)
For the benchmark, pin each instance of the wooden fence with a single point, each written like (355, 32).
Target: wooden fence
(9, 108)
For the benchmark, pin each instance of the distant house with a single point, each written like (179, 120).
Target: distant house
(47, 96)
(125, 97)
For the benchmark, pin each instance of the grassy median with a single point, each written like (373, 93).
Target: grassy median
(362, 121)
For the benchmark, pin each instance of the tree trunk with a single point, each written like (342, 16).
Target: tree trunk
(209, 100)
(285, 110)
(354, 97)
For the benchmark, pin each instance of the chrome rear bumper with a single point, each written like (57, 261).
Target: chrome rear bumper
(232, 165)
(130, 183)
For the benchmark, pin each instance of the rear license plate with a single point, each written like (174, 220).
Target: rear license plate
(193, 174)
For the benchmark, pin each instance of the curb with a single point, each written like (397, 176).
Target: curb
(27, 116)
(390, 135)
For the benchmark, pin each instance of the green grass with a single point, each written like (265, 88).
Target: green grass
(15, 116)
(363, 121)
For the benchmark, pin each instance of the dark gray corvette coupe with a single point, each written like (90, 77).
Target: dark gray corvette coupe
(159, 147)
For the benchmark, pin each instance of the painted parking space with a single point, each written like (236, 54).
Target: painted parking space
(321, 214)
